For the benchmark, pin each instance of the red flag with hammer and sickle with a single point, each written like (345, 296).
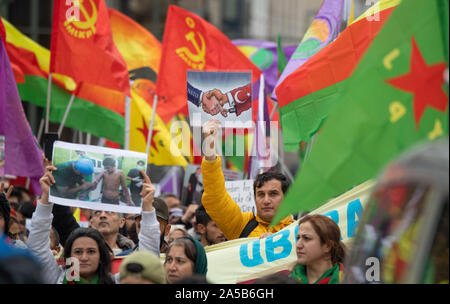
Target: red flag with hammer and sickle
(191, 43)
(82, 46)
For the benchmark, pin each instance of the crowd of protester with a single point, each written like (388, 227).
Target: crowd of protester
(163, 244)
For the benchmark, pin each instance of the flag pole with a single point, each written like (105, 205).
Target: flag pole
(275, 108)
(61, 126)
(150, 130)
(41, 130)
(47, 115)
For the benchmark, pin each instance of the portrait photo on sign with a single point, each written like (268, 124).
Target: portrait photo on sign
(97, 178)
(225, 96)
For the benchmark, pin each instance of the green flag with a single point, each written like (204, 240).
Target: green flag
(282, 60)
(396, 97)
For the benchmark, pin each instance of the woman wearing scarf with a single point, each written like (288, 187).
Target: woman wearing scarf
(320, 252)
(185, 257)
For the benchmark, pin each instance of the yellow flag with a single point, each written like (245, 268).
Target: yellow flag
(160, 152)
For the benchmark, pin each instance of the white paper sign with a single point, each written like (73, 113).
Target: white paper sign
(242, 193)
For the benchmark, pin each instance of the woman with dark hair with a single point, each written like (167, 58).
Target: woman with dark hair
(86, 254)
(320, 252)
(185, 257)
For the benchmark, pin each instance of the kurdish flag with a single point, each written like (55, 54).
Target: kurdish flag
(396, 98)
(306, 95)
(161, 152)
(92, 104)
(324, 29)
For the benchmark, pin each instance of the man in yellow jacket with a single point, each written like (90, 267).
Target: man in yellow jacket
(269, 189)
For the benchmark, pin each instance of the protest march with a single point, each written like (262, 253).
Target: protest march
(214, 142)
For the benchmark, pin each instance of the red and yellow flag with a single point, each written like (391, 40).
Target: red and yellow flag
(191, 43)
(84, 49)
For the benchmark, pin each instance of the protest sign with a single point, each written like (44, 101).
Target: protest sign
(225, 96)
(97, 178)
(242, 193)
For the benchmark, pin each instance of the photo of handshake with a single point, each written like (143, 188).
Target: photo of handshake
(213, 101)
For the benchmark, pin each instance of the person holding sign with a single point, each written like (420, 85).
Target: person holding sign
(85, 251)
(269, 189)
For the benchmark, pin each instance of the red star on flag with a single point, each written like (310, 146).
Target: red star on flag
(425, 82)
(144, 132)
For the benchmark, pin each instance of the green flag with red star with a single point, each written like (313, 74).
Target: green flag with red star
(396, 98)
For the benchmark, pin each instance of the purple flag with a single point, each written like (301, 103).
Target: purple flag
(324, 29)
(171, 183)
(264, 55)
(22, 154)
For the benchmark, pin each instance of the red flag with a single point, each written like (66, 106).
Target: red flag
(84, 49)
(191, 43)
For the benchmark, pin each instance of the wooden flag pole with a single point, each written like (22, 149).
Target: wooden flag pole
(150, 130)
(61, 126)
(47, 115)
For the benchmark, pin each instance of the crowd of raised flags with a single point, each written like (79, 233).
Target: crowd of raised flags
(357, 96)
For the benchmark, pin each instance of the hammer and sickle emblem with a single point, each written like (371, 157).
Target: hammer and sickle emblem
(197, 60)
(90, 21)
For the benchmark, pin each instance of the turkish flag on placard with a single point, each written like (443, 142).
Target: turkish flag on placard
(191, 43)
(84, 49)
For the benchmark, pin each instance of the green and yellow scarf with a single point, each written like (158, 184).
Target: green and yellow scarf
(332, 276)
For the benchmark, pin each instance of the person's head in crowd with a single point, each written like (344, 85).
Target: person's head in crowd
(19, 195)
(193, 279)
(185, 257)
(109, 164)
(171, 200)
(130, 227)
(108, 224)
(319, 244)
(276, 278)
(142, 267)
(93, 254)
(18, 266)
(176, 231)
(5, 214)
(207, 228)
(140, 165)
(175, 214)
(24, 212)
(54, 241)
(15, 232)
(162, 216)
(269, 189)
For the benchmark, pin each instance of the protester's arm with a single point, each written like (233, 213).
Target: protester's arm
(149, 236)
(218, 203)
(39, 238)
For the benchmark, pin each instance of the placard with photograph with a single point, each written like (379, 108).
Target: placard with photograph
(97, 178)
(225, 96)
